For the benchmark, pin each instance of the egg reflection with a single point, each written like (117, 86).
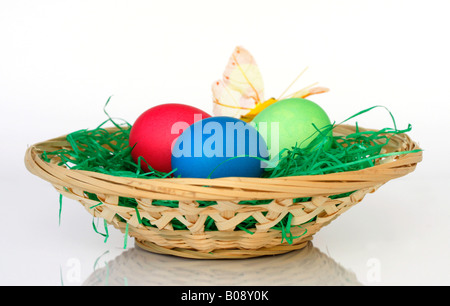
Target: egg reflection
(304, 267)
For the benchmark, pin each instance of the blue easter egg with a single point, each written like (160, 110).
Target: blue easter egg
(219, 147)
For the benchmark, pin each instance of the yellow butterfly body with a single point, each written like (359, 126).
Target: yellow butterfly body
(257, 109)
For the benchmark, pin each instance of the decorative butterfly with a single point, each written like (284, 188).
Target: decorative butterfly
(240, 93)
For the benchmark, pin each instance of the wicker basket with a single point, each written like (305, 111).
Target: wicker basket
(228, 241)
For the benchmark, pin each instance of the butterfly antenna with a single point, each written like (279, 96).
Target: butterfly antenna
(293, 82)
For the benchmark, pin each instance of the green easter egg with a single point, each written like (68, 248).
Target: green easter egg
(295, 118)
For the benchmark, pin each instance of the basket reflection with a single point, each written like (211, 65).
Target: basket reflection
(304, 267)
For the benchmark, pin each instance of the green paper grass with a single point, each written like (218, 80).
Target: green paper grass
(103, 151)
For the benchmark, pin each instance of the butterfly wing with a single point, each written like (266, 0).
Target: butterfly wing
(241, 87)
(306, 92)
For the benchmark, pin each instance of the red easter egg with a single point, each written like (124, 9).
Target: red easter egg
(156, 130)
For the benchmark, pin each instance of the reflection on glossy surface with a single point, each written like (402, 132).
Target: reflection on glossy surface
(308, 266)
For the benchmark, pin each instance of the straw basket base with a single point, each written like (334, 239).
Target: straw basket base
(222, 254)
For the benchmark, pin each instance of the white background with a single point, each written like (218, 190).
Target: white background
(61, 60)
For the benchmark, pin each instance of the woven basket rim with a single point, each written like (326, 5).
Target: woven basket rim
(228, 188)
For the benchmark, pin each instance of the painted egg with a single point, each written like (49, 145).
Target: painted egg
(292, 122)
(155, 131)
(219, 147)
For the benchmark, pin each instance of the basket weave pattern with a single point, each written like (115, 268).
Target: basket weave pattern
(228, 241)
